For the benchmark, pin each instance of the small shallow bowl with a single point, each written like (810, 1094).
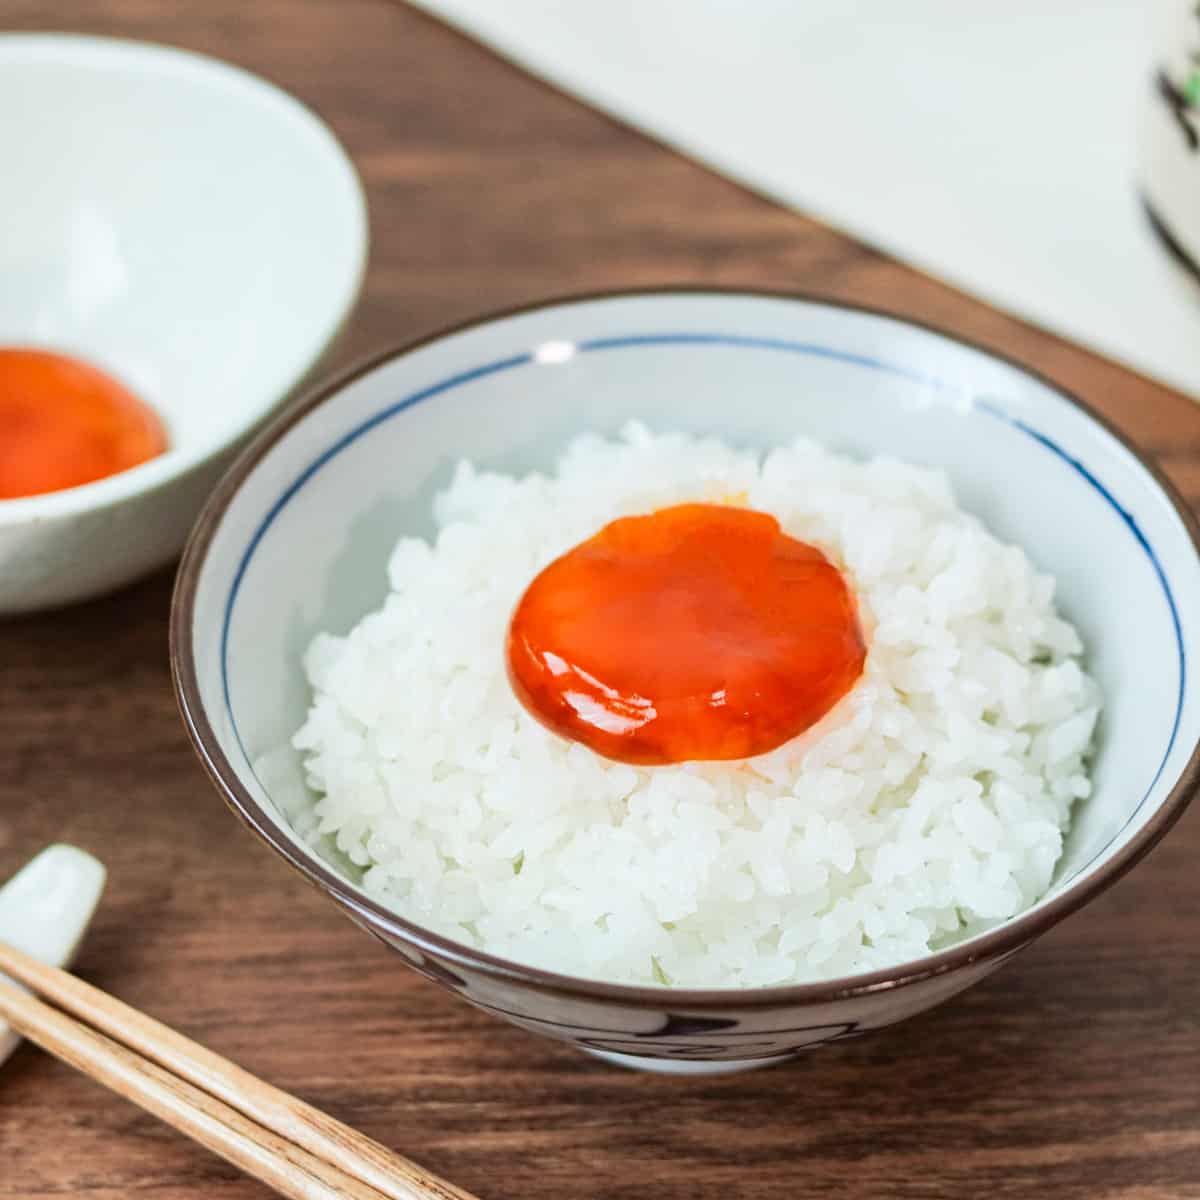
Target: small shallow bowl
(185, 226)
(296, 538)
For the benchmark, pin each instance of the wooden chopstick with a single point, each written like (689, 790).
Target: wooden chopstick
(277, 1162)
(297, 1149)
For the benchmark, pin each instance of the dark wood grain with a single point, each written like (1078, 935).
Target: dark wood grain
(1075, 1071)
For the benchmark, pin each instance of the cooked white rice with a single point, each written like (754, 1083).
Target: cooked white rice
(931, 801)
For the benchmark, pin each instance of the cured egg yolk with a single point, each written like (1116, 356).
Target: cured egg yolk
(698, 632)
(64, 423)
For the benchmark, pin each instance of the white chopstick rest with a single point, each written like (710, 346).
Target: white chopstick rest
(45, 909)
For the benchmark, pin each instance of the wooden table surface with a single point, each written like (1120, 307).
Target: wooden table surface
(1075, 1071)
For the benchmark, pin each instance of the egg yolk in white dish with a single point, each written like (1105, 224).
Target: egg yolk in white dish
(64, 423)
(697, 632)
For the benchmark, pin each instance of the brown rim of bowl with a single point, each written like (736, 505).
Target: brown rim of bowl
(1005, 939)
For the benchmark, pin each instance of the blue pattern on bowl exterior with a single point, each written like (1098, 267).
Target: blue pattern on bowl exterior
(297, 535)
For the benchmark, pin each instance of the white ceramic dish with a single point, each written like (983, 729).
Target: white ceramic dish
(189, 228)
(297, 536)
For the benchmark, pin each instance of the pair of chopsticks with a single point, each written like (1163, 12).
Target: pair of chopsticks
(289, 1145)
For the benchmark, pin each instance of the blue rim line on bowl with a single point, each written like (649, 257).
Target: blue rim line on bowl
(997, 944)
(713, 339)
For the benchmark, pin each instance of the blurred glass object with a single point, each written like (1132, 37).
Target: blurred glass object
(1170, 131)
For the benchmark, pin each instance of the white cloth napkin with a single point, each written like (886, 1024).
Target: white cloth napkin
(991, 144)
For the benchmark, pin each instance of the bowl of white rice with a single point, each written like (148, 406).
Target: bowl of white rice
(1023, 729)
